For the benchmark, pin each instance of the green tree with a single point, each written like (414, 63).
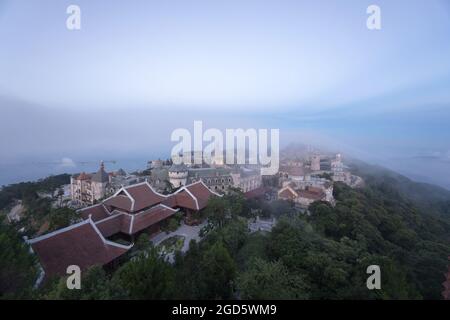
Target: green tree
(61, 218)
(18, 267)
(235, 201)
(217, 211)
(143, 243)
(95, 285)
(218, 272)
(146, 276)
(232, 235)
(270, 280)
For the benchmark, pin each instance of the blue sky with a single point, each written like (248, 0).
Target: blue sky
(310, 68)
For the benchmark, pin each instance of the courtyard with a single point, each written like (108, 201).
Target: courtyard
(177, 240)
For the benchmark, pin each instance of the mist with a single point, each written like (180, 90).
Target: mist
(119, 86)
(40, 140)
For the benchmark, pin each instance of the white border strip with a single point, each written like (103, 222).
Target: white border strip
(193, 197)
(169, 208)
(213, 192)
(110, 218)
(131, 198)
(130, 231)
(54, 233)
(107, 241)
(156, 192)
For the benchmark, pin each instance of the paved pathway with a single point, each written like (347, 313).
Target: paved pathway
(188, 232)
(260, 224)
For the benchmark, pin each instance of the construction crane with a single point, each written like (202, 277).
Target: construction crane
(94, 162)
(83, 163)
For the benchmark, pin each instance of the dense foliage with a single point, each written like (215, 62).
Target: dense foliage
(38, 200)
(18, 269)
(322, 254)
(27, 191)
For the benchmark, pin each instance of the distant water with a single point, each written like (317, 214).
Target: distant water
(434, 171)
(29, 171)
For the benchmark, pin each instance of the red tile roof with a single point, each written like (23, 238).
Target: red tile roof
(186, 200)
(119, 222)
(80, 244)
(144, 196)
(135, 198)
(201, 192)
(133, 223)
(84, 243)
(171, 201)
(194, 196)
(151, 216)
(287, 193)
(83, 176)
(311, 194)
(97, 212)
(256, 193)
(121, 201)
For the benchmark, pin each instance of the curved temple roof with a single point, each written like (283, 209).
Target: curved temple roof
(130, 210)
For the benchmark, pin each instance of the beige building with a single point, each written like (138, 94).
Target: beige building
(217, 179)
(88, 188)
(246, 179)
(306, 196)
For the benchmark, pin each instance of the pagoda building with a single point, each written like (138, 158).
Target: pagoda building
(99, 239)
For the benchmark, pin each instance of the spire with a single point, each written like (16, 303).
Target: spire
(101, 175)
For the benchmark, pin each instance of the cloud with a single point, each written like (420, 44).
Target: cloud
(67, 163)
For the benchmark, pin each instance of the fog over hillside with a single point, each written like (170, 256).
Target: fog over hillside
(40, 137)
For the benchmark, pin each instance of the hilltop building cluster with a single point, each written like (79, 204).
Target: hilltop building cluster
(88, 188)
(311, 178)
(117, 207)
(163, 176)
(219, 179)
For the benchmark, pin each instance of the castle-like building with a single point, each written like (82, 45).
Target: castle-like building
(178, 175)
(217, 179)
(87, 188)
(311, 179)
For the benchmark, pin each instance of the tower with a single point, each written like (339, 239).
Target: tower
(315, 163)
(99, 182)
(178, 174)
